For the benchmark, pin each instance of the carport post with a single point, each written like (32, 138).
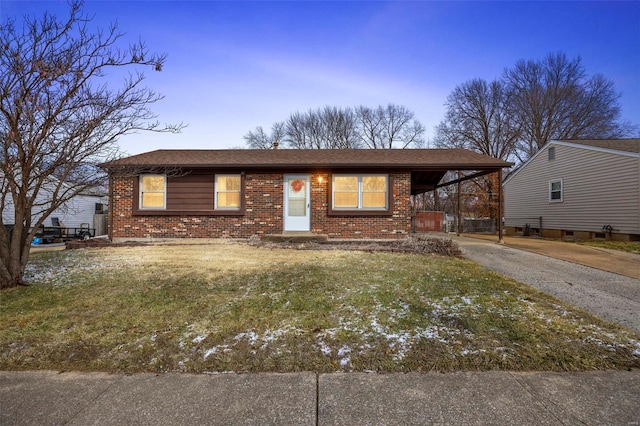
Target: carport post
(458, 207)
(500, 208)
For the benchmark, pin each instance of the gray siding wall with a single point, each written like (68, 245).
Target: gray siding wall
(599, 188)
(80, 209)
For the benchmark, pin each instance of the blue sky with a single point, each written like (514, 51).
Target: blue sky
(233, 66)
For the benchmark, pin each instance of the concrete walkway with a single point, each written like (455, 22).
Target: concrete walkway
(608, 295)
(490, 398)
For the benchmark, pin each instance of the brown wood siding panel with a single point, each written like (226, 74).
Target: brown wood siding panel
(190, 192)
(191, 195)
(196, 187)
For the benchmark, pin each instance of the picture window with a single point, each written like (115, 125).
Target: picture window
(153, 194)
(228, 191)
(360, 192)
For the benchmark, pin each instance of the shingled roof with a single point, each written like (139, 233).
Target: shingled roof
(425, 159)
(627, 145)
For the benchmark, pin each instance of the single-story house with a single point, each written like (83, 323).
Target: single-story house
(577, 189)
(355, 193)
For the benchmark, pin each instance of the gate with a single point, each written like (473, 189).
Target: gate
(429, 222)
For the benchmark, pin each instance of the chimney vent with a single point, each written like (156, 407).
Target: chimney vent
(275, 145)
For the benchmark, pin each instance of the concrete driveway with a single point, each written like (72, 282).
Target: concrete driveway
(609, 295)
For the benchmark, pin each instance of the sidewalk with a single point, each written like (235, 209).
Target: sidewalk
(472, 398)
(619, 262)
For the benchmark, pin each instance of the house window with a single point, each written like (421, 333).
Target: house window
(552, 153)
(153, 191)
(364, 192)
(228, 192)
(555, 191)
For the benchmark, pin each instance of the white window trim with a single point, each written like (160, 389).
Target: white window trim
(141, 191)
(360, 192)
(216, 207)
(558, 200)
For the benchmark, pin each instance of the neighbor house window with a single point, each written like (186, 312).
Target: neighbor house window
(555, 190)
(153, 191)
(228, 192)
(552, 153)
(363, 192)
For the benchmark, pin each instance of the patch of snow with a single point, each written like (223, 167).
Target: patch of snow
(343, 351)
(251, 336)
(210, 352)
(324, 348)
(200, 338)
(466, 352)
(345, 354)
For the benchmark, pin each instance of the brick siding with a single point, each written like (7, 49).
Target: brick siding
(263, 194)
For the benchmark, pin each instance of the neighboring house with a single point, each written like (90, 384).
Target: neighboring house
(242, 193)
(577, 189)
(74, 213)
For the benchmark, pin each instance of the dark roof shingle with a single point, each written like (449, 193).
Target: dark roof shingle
(313, 158)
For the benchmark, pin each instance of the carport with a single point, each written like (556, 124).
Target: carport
(465, 165)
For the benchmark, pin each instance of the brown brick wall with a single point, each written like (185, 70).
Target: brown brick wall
(263, 213)
(396, 225)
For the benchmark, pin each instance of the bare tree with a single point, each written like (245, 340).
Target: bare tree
(554, 98)
(370, 126)
(340, 127)
(400, 128)
(476, 119)
(296, 133)
(58, 119)
(393, 126)
(387, 127)
(315, 130)
(328, 128)
(259, 139)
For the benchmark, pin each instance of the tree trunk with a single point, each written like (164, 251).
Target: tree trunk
(15, 254)
(12, 270)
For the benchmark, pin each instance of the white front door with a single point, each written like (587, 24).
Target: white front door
(297, 193)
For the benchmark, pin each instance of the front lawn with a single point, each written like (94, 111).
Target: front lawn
(233, 307)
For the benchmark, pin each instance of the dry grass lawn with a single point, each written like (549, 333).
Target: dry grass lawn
(628, 246)
(230, 306)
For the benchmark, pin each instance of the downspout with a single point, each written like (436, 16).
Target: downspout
(110, 207)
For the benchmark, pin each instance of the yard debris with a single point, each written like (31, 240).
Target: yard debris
(411, 244)
(100, 243)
